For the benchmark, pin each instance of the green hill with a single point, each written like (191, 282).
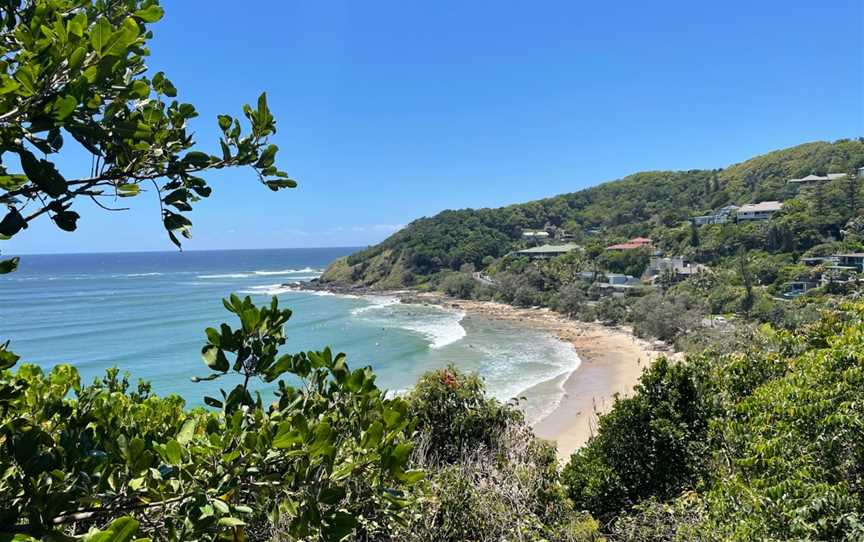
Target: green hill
(648, 204)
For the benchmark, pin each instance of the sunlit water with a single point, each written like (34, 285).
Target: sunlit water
(146, 313)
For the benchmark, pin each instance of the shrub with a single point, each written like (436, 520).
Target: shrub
(453, 414)
(570, 300)
(649, 445)
(326, 456)
(458, 285)
(612, 310)
(489, 478)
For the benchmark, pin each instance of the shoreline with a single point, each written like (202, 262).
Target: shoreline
(611, 361)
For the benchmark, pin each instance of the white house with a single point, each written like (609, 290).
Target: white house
(720, 216)
(811, 180)
(758, 211)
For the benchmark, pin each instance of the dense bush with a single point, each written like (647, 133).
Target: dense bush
(458, 285)
(328, 457)
(761, 444)
(453, 414)
(649, 445)
(489, 478)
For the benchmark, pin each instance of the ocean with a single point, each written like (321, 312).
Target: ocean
(146, 314)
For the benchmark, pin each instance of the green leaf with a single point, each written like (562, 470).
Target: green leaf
(7, 358)
(187, 431)
(120, 530)
(278, 184)
(214, 358)
(197, 159)
(339, 526)
(221, 506)
(173, 452)
(43, 174)
(372, 436)
(267, 157)
(7, 266)
(212, 401)
(63, 107)
(12, 223)
(231, 522)
(66, 220)
(12, 182)
(123, 38)
(150, 14)
(100, 34)
(128, 190)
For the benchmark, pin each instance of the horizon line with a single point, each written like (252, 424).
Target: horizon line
(11, 255)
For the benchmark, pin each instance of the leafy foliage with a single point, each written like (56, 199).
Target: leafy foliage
(451, 410)
(489, 479)
(651, 444)
(328, 455)
(763, 444)
(72, 79)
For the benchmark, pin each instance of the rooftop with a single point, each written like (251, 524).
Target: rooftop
(817, 178)
(761, 207)
(636, 242)
(550, 249)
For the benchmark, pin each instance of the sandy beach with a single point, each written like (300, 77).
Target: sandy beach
(612, 361)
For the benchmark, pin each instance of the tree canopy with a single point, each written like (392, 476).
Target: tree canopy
(73, 80)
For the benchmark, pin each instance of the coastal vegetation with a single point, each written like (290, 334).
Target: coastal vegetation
(745, 267)
(755, 437)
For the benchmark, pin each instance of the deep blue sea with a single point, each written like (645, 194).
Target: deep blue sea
(146, 313)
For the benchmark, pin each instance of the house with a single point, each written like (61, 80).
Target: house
(615, 284)
(812, 180)
(535, 235)
(758, 211)
(544, 252)
(852, 260)
(720, 216)
(632, 244)
(799, 287)
(680, 266)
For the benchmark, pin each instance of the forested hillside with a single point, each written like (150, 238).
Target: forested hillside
(657, 204)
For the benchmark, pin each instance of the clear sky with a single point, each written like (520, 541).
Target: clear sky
(388, 111)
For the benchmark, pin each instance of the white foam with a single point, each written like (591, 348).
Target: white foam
(439, 326)
(288, 272)
(377, 302)
(154, 274)
(277, 289)
(226, 276)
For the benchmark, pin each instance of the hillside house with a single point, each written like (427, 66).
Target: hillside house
(632, 244)
(720, 216)
(812, 180)
(680, 266)
(853, 260)
(545, 252)
(535, 235)
(796, 288)
(615, 284)
(758, 211)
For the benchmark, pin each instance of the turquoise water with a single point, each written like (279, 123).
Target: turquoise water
(146, 313)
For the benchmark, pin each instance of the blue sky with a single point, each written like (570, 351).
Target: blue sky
(388, 111)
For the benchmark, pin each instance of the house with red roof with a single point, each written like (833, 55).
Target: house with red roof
(632, 244)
